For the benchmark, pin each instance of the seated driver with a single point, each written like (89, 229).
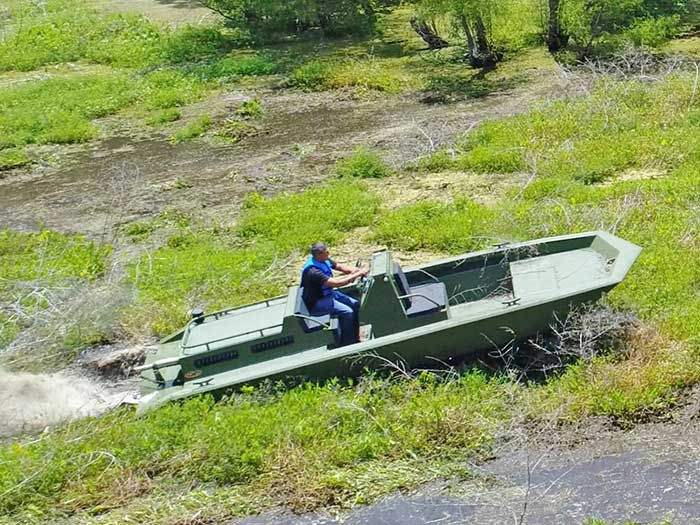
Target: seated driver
(320, 297)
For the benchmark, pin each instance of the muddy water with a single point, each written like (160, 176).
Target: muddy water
(644, 476)
(121, 179)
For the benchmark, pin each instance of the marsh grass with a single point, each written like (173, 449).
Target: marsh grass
(35, 268)
(193, 129)
(457, 227)
(214, 267)
(363, 163)
(13, 158)
(308, 447)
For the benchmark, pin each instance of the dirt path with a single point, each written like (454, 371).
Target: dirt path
(121, 178)
(646, 475)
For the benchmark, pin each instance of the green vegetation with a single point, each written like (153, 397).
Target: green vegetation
(363, 164)
(32, 264)
(194, 129)
(13, 158)
(303, 446)
(451, 228)
(252, 108)
(218, 266)
(163, 116)
(234, 130)
(652, 127)
(624, 157)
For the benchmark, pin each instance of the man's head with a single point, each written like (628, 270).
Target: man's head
(319, 251)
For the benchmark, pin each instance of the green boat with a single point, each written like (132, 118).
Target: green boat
(443, 310)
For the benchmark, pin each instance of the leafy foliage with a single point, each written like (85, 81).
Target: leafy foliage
(269, 19)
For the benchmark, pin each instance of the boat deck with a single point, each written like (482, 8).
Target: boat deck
(236, 326)
(551, 274)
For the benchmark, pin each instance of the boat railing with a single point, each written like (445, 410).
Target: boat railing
(428, 274)
(260, 331)
(219, 315)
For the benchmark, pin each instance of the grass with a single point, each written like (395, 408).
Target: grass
(340, 443)
(194, 129)
(261, 443)
(363, 164)
(154, 70)
(13, 158)
(163, 116)
(651, 126)
(213, 267)
(33, 265)
(452, 228)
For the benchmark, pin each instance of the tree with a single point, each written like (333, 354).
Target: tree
(268, 19)
(557, 39)
(428, 32)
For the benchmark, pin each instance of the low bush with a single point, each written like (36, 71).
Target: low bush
(300, 446)
(237, 65)
(441, 160)
(363, 164)
(312, 76)
(167, 88)
(252, 108)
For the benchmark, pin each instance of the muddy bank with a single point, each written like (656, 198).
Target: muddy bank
(120, 179)
(646, 475)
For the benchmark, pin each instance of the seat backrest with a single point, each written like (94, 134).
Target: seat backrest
(402, 285)
(300, 305)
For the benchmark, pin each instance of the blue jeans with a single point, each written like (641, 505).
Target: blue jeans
(346, 309)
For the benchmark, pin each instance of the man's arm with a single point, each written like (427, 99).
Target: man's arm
(335, 282)
(344, 268)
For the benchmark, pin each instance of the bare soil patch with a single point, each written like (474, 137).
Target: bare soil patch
(93, 188)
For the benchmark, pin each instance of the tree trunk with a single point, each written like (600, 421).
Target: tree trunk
(556, 39)
(479, 49)
(428, 34)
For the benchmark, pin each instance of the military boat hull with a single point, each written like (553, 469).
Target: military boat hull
(435, 313)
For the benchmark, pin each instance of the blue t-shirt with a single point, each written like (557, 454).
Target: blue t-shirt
(313, 282)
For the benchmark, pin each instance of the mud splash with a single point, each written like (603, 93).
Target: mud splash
(32, 402)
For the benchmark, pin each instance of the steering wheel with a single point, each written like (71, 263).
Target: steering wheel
(362, 283)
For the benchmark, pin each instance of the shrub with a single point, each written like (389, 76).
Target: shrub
(441, 160)
(193, 43)
(238, 65)
(252, 108)
(235, 131)
(653, 32)
(313, 76)
(363, 164)
(169, 88)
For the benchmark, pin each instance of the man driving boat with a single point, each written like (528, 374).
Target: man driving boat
(320, 297)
